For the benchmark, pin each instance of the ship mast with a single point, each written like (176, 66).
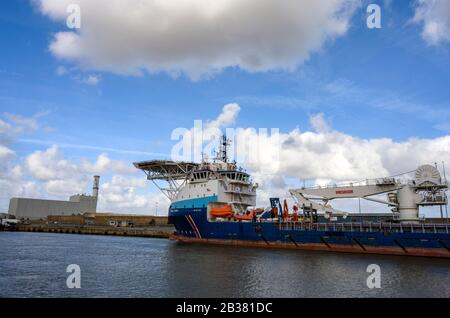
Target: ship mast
(222, 154)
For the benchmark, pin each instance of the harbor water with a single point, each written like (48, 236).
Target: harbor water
(34, 265)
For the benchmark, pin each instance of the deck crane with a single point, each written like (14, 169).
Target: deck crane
(427, 188)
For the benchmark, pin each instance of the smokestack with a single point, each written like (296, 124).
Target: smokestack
(95, 186)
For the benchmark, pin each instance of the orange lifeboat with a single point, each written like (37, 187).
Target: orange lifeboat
(225, 211)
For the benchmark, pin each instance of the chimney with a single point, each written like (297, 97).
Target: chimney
(95, 186)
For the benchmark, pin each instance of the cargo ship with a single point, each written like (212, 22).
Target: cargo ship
(215, 203)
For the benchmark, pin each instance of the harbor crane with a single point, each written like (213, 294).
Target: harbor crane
(427, 188)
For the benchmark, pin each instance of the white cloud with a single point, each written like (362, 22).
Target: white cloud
(434, 15)
(21, 123)
(319, 123)
(49, 165)
(120, 195)
(63, 188)
(197, 37)
(4, 127)
(337, 156)
(227, 116)
(6, 153)
(91, 80)
(105, 164)
(6, 156)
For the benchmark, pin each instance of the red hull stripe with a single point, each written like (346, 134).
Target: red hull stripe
(194, 226)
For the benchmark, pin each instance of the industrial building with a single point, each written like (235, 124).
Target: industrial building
(36, 209)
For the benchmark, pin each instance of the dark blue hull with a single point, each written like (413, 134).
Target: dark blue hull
(192, 225)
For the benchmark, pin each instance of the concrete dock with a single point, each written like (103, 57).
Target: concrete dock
(152, 231)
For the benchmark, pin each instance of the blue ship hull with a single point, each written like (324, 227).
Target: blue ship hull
(192, 225)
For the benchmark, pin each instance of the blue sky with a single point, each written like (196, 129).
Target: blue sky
(368, 83)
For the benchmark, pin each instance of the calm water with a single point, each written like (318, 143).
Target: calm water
(34, 265)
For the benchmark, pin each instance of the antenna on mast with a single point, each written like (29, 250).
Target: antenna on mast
(222, 154)
(443, 168)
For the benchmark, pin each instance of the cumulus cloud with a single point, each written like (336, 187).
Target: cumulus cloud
(10, 128)
(434, 15)
(338, 156)
(105, 164)
(6, 153)
(6, 156)
(227, 116)
(197, 37)
(120, 194)
(49, 165)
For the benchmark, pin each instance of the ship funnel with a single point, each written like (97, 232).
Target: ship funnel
(95, 186)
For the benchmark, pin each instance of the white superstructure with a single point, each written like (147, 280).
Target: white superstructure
(219, 180)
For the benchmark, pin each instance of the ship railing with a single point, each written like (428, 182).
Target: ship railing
(366, 227)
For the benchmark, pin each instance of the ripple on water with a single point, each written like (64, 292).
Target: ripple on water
(34, 265)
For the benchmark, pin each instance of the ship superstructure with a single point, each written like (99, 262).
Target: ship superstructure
(220, 182)
(215, 202)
